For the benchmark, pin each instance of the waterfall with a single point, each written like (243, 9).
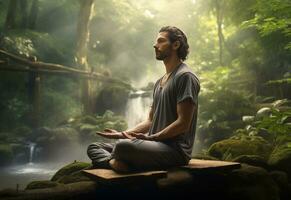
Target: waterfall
(31, 147)
(137, 108)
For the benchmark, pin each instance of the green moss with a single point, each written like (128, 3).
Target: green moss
(41, 184)
(69, 169)
(254, 160)
(74, 177)
(231, 148)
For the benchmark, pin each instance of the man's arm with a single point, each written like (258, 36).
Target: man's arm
(144, 126)
(185, 111)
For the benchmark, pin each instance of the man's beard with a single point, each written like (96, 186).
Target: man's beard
(162, 55)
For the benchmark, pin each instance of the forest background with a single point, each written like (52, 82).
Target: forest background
(241, 50)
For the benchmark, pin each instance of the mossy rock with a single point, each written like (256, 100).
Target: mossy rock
(252, 183)
(41, 184)
(73, 177)
(69, 169)
(280, 159)
(254, 160)
(6, 154)
(236, 146)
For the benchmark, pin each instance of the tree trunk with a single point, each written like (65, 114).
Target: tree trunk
(24, 13)
(86, 10)
(33, 14)
(10, 17)
(34, 96)
(219, 19)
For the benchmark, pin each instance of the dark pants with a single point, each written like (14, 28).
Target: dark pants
(137, 154)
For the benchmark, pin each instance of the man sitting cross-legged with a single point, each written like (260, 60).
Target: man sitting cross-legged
(166, 138)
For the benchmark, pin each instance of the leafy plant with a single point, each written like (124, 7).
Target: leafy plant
(274, 121)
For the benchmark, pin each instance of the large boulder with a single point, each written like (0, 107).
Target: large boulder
(254, 160)
(236, 146)
(251, 183)
(280, 159)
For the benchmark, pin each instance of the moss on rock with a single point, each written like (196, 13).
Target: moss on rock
(69, 170)
(254, 160)
(41, 184)
(73, 177)
(240, 145)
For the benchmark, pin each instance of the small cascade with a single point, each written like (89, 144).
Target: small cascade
(31, 147)
(137, 108)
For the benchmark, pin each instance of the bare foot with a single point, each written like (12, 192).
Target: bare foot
(118, 166)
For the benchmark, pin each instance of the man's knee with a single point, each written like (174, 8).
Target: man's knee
(93, 146)
(124, 149)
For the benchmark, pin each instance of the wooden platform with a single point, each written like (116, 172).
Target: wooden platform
(110, 176)
(195, 164)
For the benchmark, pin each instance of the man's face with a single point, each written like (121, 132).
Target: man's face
(163, 47)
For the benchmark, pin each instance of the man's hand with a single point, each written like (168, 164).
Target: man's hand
(113, 134)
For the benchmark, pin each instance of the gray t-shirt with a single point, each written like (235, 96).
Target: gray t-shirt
(181, 85)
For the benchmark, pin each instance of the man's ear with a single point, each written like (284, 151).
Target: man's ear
(176, 45)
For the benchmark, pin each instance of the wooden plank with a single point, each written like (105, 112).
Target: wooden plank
(112, 175)
(195, 164)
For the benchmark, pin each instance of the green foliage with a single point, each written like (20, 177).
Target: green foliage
(273, 122)
(88, 125)
(280, 81)
(223, 100)
(98, 122)
(57, 107)
(272, 16)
